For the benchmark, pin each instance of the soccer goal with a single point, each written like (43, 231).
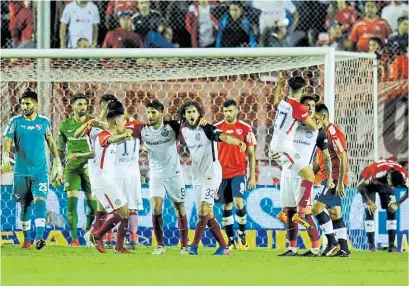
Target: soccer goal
(255, 78)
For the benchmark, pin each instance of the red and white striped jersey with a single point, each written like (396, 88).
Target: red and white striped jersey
(379, 169)
(289, 114)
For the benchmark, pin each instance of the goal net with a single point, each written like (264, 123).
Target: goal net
(255, 78)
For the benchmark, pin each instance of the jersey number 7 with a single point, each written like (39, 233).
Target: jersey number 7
(279, 119)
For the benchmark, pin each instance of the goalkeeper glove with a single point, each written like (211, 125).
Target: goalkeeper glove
(6, 162)
(57, 171)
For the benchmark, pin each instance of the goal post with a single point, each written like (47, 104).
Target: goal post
(255, 78)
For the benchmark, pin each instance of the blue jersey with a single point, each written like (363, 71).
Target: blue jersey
(29, 139)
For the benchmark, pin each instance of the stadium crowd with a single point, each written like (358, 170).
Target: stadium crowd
(363, 26)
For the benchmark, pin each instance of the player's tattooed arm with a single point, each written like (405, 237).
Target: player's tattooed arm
(6, 161)
(231, 140)
(394, 206)
(252, 163)
(119, 138)
(316, 165)
(343, 166)
(328, 168)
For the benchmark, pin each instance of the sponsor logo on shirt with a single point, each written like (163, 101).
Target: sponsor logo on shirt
(229, 132)
(30, 128)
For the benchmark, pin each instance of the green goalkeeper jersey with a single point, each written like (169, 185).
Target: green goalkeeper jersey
(68, 143)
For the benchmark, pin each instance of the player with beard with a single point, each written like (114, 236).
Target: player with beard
(30, 131)
(76, 152)
(206, 169)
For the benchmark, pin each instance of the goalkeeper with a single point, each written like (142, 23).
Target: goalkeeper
(29, 132)
(76, 152)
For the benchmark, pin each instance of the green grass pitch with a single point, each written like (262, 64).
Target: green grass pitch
(66, 266)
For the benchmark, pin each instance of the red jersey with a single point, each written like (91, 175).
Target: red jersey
(116, 6)
(121, 38)
(346, 17)
(366, 28)
(378, 169)
(336, 145)
(399, 68)
(23, 26)
(233, 161)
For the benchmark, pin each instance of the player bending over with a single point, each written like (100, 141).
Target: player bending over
(332, 225)
(206, 169)
(29, 132)
(234, 169)
(289, 115)
(76, 152)
(107, 186)
(381, 177)
(305, 142)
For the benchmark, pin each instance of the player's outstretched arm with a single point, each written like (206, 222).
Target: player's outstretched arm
(6, 161)
(119, 138)
(312, 123)
(82, 129)
(362, 189)
(231, 140)
(394, 206)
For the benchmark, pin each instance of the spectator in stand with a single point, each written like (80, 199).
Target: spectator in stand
(377, 46)
(396, 43)
(201, 24)
(83, 43)
(150, 25)
(370, 26)
(175, 17)
(22, 27)
(82, 19)
(334, 38)
(275, 36)
(114, 8)
(400, 66)
(123, 37)
(235, 29)
(392, 12)
(342, 13)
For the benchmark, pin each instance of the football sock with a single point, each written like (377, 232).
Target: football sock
(183, 230)
(305, 190)
(391, 227)
(25, 217)
(92, 206)
(133, 226)
(157, 222)
(313, 231)
(370, 228)
(40, 215)
(200, 228)
(326, 225)
(100, 218)
(241, 218)
(292, 229)
(120, 236)
(72, 216)
(108, 225)
(109, 235)
(340, 231)
(227, 222)
(214, 228)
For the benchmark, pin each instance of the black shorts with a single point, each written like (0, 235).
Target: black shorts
(231, 188)
(385, 192)
(328, 196)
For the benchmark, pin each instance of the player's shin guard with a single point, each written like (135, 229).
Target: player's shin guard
(107, 226)
(292, 230)
(370, 228)
(340, 231)
(227, 222)
(40, 215)
(241, 218)
(391, 225)
(214, 228)
(133, 226)
(313, 232)
(25, 217)
(157, 223)
(100, 218)
(326, 225)
(72, 216)
(92, 206)
(200, 228)
(183, 230)
(120, 236)
(305, 190)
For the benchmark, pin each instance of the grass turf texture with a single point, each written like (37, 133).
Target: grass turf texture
(63, 266)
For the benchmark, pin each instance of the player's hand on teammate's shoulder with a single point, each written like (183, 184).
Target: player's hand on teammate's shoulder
(242, 146)
(72, 157)
(273, 155)
(202, 121)
(393, 207)
(371, 207)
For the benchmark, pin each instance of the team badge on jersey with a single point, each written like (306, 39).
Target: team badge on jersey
(118, 202)
(197, 137)
(297, 156)
(165, 133)
(309, 134)
(39, 126)
(239, 132)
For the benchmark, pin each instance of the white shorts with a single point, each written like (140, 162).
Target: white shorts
(293, 161)
(131, 188)
(290, 186)
(173, 186)
(205, 193)
(111, 198)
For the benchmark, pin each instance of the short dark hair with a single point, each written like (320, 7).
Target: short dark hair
(305, 98)
(29, 94)
(378, 41)
(397, 179)
(296, 83)
(186, 105)
(401, 19)
(155, 104)
(78, 96)
(229, 102)
(322, 108)
(108, 97)
(115, 108)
